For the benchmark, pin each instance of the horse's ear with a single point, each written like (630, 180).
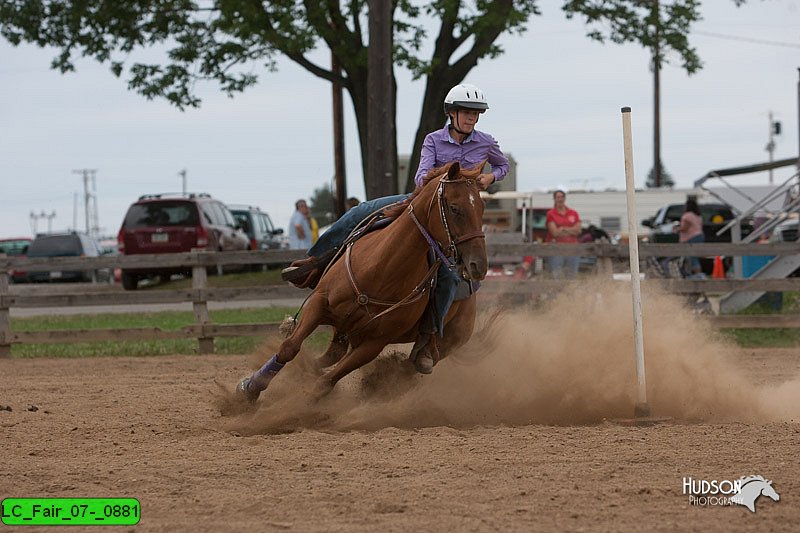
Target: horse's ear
(454, 170)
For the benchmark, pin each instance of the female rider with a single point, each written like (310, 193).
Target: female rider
(457, 141)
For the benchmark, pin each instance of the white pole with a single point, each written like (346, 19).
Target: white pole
(641, 409)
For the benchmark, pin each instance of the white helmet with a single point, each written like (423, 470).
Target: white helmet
(465, 96)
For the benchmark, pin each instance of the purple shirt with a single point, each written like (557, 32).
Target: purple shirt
(440, 148)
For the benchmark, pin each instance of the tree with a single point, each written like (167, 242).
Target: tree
(321, 205)
(666, 178)
(224, 40)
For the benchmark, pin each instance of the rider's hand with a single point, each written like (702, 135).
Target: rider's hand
(484, 180)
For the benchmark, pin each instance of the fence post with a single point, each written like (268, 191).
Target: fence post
(205, 345)
(5, 319)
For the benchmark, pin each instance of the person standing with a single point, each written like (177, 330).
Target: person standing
(690, 230)
(563, 227)
(299, 227)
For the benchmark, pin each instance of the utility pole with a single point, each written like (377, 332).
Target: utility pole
(49, 218)
(340, 180)
(34, 222)
(182, 174)
(89, 198)
(774, 129)
(657, 99)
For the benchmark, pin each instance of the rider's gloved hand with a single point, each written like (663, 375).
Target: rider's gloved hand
(484, 180)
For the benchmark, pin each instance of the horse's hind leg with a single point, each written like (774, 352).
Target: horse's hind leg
(355, 359)
(250, 387)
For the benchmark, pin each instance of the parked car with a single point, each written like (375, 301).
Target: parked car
(173, 223)
(786, 231)
(258, 226)
(67, 245)
(16, 247)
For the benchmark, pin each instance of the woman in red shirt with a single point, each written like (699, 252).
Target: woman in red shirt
(563, 226)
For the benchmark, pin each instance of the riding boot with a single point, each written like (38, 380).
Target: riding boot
(425, 352)
(306, 272)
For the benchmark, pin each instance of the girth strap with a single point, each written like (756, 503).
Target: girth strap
(364, 300)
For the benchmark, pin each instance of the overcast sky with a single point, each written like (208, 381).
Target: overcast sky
(555, 99)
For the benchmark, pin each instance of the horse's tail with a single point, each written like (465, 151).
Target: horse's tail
(287, 326)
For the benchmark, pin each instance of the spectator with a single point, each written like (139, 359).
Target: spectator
(563, 226)
(299, 227)
(690, 229)
(351, 203)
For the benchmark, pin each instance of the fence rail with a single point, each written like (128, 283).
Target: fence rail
(200, 294)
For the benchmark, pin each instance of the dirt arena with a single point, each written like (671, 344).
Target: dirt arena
(518, 432)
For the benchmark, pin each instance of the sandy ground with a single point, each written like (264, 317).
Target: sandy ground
(517, 432)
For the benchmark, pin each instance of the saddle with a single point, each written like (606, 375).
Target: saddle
(306, 273)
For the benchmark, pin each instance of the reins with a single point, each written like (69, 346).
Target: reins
(363, 300)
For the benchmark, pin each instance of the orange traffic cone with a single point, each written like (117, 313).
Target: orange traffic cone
(719, 270)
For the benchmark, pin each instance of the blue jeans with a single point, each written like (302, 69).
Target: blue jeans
(446, 280)
(694, 261)
(569, 265)
(339, 231)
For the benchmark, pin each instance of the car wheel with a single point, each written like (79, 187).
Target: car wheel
(129, 281)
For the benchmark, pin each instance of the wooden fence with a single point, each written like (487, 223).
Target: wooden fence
(200, 293)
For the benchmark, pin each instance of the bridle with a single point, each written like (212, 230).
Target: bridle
(450, 259)
(451, 255)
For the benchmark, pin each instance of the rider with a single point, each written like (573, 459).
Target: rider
(456, 141)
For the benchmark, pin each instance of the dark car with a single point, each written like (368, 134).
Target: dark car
(258, 225)
(714, 216)
(67, 245)
(174, 223)
(16, 247)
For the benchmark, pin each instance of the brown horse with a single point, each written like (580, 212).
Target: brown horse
(377, 292)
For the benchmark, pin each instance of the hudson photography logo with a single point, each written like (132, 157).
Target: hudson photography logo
(743, 491)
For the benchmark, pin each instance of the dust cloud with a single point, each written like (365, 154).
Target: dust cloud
(569, 362)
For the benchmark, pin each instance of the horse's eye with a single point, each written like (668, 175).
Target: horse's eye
(455, 209)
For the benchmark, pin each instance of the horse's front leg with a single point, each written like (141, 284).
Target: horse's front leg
(359, 356)
(250, 387)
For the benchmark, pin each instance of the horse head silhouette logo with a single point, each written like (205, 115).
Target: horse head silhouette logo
(751, 488)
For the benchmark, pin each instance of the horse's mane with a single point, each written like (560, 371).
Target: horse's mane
(748, 479)
(396, 210)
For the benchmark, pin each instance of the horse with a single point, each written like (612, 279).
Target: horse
(751, 488)
(376, 293)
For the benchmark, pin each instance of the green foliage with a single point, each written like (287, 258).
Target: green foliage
(638, 21)
(230, 42)
(666, 177)
(168, 320)
(322, 205)
(773, 337)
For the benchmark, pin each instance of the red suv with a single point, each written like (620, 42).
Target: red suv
(172, 223)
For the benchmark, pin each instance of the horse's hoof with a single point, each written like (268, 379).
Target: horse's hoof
(424, 363)
(245, 391)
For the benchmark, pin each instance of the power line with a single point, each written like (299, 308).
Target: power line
(747, 39)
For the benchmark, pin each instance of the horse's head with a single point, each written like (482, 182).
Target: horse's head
(768, 491)
(459, 224)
